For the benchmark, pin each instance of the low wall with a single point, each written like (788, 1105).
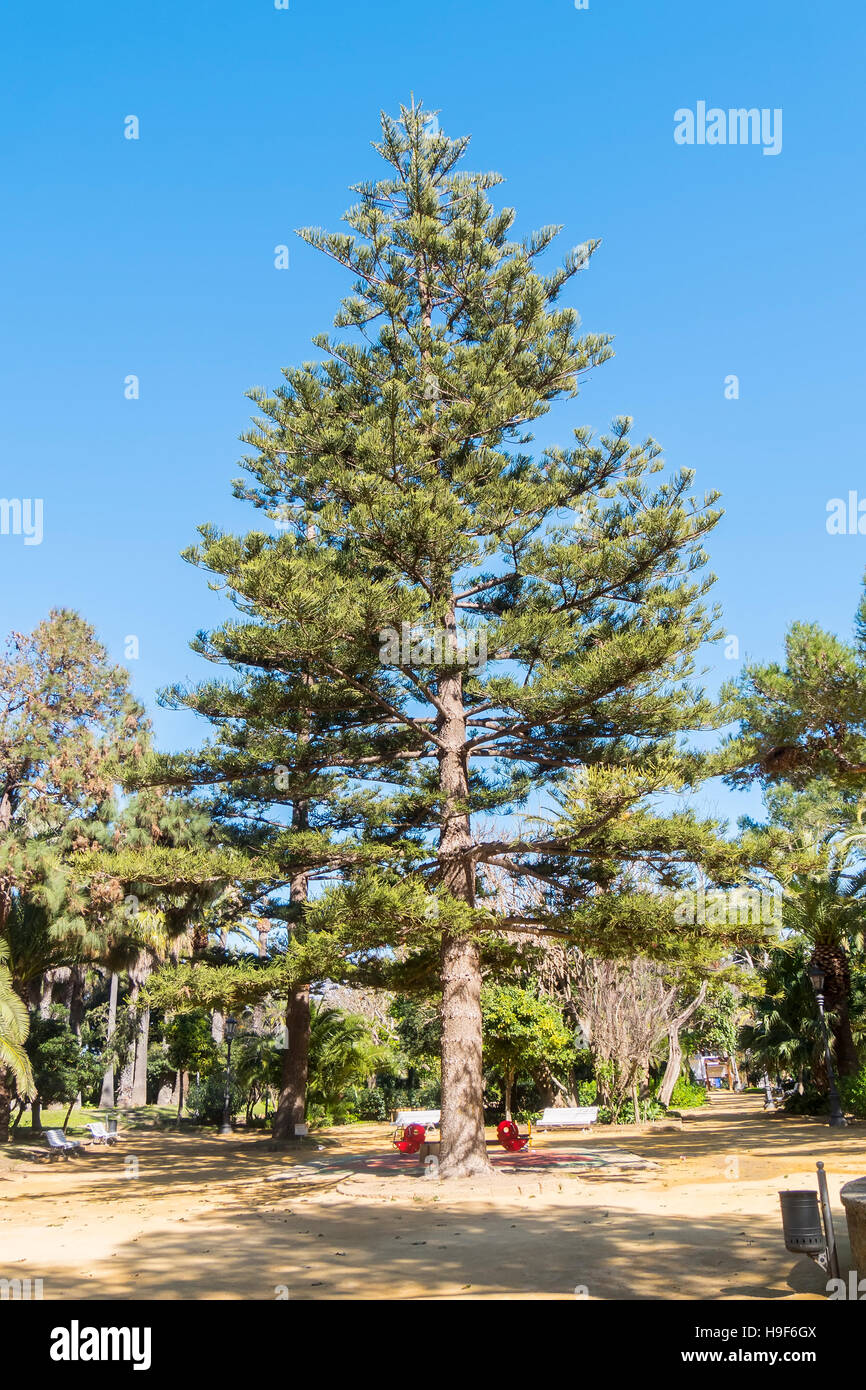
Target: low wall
(853, 1196)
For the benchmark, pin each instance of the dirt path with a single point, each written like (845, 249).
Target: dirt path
(183, 1216)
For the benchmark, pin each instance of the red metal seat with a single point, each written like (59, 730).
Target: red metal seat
(509, 1136)
(413, 1138)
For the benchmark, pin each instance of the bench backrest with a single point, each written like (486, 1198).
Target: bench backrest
(97, 1129)
(56, 1139)
(570, 1115)
(417, 1117)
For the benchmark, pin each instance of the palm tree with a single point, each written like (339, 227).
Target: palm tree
(826, 909)
(819, 834)
(785, 1037)
(14, 1026)
(343, 1053)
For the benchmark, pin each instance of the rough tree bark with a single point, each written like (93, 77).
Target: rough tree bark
(5, 1103)
(139, 1078)
(463, 1148)
(292, 1103)
(133, 1078)
(675, 1052)
(509, 1087)
(106, 1098)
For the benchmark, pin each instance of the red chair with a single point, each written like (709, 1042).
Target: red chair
(413, 1138)
(510, 1138)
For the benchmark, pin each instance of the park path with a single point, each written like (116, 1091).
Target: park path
(197, 1217)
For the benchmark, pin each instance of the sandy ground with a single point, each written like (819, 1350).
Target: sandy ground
(165, 1216)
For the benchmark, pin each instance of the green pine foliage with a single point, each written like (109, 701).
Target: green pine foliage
(414, 530)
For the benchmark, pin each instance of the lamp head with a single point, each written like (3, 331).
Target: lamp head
(231, 1027)
(816, 976)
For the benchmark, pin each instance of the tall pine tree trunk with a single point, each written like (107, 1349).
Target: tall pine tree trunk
(463, 1147)
(292, 1103)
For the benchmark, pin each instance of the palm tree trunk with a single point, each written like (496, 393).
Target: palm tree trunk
(106, 1099)
(832, 958)
(139, 1076)
(5, 1103)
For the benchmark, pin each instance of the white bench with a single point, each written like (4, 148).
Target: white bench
(428, 1118)
(100, 1135)
(568, 1117)
(58, 1143)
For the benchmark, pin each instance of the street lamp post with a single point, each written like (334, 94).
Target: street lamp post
(231, 1027)
(816, 976)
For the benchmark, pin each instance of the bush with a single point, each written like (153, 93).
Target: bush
(206, 1099)
(687, 1094)
(810, 1102)
(649, 1110)
(371, 1103)
(852, 1089)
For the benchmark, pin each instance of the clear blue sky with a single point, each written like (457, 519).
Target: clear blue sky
(155, 258)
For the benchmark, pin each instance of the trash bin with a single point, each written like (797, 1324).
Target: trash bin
(801, 1222)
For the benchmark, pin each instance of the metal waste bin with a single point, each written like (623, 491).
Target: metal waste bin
(801, 1222)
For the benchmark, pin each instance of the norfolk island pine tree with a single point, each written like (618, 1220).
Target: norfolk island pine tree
(398, 470)
(297, 825)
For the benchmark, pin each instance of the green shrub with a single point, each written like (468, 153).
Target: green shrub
(687, 1094)
(852, 1089)
(811, 1102)
(371, 1103)
(205, 1100)
(649, 1110)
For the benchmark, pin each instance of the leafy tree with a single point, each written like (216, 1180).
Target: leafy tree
(62, 1069)
(714, 1026)
(523, 1034)
(68, 726)
(417, 528)
(191, 1047)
